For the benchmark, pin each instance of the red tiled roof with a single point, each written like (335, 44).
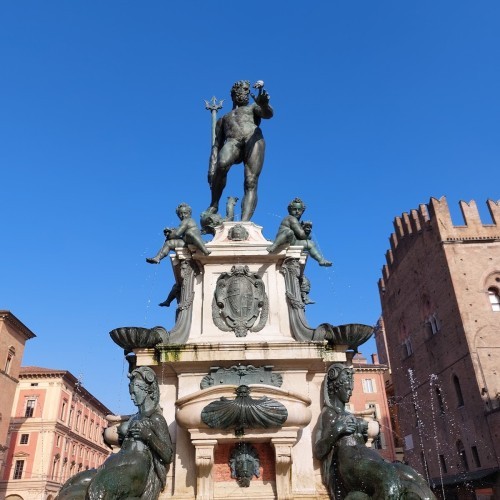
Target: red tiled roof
(38, 369)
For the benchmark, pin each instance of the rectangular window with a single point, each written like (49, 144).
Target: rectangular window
(475, 456)
(63, 409)
(30, 408)
(24, 439)
(18, 469)
(442, 461)
(463, 458)
(409, 442)
(369, 385)
(58, 442)
(376, 409)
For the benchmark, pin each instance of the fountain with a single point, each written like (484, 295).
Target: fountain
(238, 378)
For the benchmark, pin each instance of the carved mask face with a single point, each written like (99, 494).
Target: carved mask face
(244, 469)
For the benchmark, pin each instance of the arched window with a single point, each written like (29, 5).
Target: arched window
(434, 323)
(494, 297)
(10, 357)
(458, 391)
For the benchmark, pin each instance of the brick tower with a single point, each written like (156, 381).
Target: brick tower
(440, 295)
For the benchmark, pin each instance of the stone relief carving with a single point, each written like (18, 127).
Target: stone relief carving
(241, 374)
(239, 300)
(244, 412)
(238, 233)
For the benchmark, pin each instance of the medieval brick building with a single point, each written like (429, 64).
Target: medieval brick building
(440, 295)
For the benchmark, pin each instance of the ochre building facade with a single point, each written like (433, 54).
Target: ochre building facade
(13, 337)
(55, 431)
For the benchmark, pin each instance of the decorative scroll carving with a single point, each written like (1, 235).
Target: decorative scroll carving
(300, 328)
(239, 299)
(241, 374)
(180, 332)
(244, 463)
(244, 412)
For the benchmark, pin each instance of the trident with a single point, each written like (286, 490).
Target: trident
(213, 106)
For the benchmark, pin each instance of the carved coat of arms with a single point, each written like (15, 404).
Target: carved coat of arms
(239, 300)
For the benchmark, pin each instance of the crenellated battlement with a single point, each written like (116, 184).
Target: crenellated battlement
(436, 217)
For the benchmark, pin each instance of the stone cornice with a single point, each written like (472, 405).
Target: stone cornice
(370, 368)
(18, 325)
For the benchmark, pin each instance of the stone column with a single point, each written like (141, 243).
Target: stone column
(204, 457)
(283, 453)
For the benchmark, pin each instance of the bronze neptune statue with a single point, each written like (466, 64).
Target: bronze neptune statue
(352, 471)
(239, 139)
(139, 469)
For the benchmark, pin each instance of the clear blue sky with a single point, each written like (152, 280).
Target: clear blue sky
(379, 105)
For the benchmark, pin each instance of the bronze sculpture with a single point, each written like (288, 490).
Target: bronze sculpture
(350, 469)
(139, 469)
(238, 138)
(186, 233)
(244, 463)
(295, 232)
(210, 220)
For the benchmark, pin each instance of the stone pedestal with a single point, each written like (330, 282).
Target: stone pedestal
(206, 358)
